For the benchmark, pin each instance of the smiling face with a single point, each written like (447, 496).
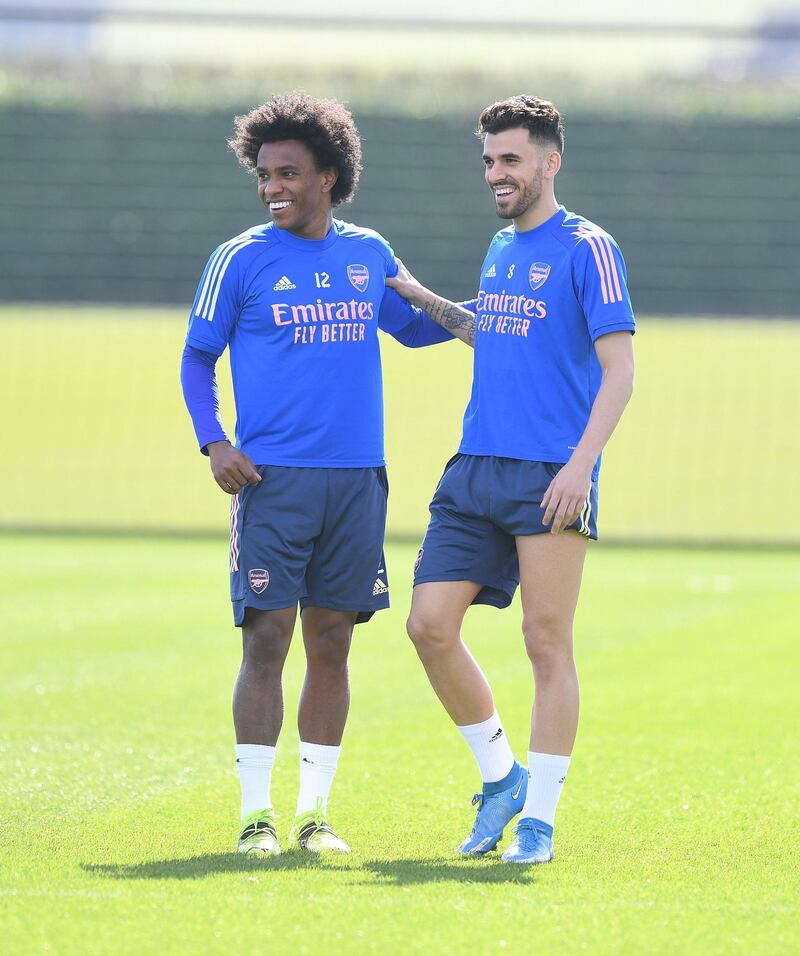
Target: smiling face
(296, 193)
(519, 171)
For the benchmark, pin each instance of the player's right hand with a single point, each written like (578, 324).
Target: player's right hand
(231, 468)
(406, 285)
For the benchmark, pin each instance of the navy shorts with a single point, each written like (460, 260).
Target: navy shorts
(479, 507)
(313, 536)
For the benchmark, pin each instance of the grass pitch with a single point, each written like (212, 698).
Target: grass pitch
(677, 830)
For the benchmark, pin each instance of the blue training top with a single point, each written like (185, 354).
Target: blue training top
(545, 297)
(301, 318)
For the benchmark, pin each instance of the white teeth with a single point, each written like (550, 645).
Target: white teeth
(280, 205)
(504, 191)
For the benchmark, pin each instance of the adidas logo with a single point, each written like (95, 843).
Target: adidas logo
(490, 273)
(497, 736)
(380, 587)
(283, 284)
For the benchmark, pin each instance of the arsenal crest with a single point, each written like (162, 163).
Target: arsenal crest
(258, 579)
(358, 276)
(538, 274)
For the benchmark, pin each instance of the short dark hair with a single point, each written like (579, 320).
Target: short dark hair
(539, 117)
(326, 128)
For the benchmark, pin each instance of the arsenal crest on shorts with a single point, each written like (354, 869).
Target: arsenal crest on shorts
(538, 274)
(258, 579)
(358, 276)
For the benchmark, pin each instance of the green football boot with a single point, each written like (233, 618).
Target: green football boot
(312, 832)
(258, 836)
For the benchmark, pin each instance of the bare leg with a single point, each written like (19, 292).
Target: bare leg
(325, 698)
(257, 693)
(550, 578)
(434, 625)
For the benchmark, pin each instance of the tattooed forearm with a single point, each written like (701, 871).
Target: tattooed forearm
(461, 322)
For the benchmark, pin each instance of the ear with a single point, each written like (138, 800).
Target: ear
(552, 163)
(329, 177)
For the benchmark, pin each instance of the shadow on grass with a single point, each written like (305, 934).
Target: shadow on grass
(444, 870)
(372, 872)
(198, 867)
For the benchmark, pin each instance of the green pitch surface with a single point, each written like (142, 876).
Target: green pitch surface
(118, 795)
(98, 436)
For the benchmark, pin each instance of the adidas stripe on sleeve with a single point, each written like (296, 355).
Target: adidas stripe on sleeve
(218, 299)
(601, 283)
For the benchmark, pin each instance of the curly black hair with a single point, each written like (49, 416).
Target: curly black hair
(540, 117)
(325, 127)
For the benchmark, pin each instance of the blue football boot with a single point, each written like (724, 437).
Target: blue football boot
(498, 804)
(532, 844)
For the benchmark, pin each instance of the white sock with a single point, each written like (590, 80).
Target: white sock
(317, 769)
(254, 763)
(489, 745)
(547, 775)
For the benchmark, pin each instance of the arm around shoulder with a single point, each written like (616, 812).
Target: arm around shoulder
(457, 320)
(409, 325)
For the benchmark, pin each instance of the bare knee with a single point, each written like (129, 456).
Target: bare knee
(329, 646)
(430, 635)
(548, 643)
(265, 640)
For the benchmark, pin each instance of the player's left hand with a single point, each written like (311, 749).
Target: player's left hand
(566, 496)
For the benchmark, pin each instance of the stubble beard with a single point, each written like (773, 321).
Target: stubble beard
(531, 195)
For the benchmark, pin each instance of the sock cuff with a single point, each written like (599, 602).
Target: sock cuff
(470, 730)
(255, 755)
(321, 755)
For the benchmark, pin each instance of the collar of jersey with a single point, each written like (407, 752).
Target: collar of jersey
(309, 245)
(530, 234)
